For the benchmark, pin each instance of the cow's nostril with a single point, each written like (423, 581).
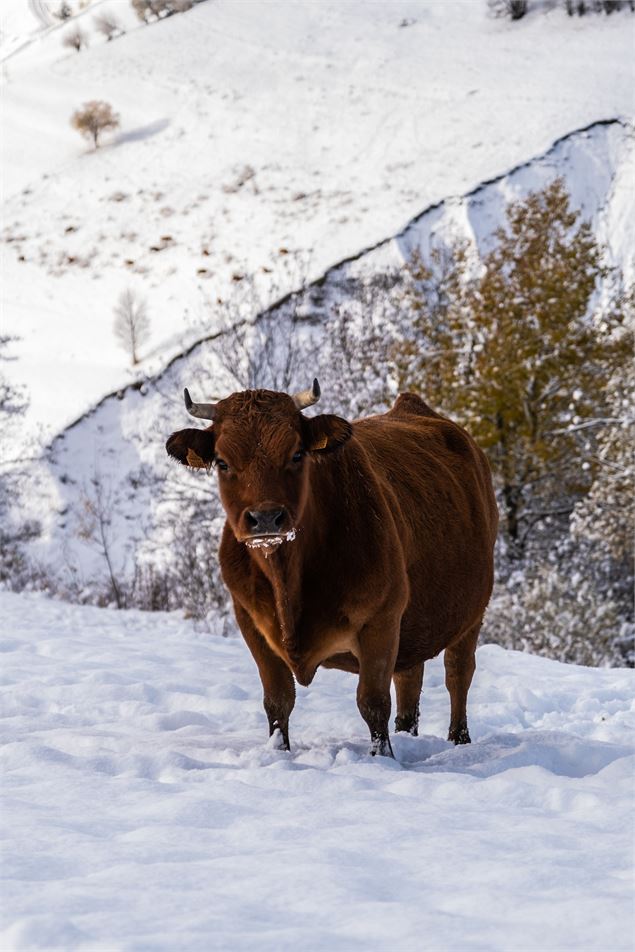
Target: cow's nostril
(264, 521)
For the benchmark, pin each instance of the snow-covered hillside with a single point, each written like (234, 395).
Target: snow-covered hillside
(125, 434)
(250, 133)
(272, 157)
(144, 810)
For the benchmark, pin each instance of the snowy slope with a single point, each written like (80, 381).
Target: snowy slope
(123, 436)
(143, 809)
(252, 132)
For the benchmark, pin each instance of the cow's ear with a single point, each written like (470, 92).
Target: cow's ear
(325, 433)
(192, 447)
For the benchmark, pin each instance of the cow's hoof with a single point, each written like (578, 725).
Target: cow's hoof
(277, 740)
(460, 735)
(407, 725)
(381, 746)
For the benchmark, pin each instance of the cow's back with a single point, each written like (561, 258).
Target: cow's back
(438, 485)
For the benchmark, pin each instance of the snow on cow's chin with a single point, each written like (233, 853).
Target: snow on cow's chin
(269, 543)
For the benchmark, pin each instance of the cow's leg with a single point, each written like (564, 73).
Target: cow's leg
(278, 686)
(408, 687)
(460, 665)
(376, 666)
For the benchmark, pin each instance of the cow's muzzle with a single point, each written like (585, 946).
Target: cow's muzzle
(266, 522)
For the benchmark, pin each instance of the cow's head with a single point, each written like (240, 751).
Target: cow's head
(262, 446)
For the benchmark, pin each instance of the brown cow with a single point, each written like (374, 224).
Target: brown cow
(364, 546)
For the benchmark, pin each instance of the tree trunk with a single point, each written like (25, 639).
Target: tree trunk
(511, 507)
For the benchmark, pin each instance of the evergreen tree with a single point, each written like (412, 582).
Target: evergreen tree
(513, 353)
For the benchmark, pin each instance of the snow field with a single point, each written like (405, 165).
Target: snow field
(122, 435)
(145, 810)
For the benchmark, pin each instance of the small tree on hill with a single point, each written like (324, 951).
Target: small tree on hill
(93, 118)
(514, 355)
(108, 24)
(76, 39)
(64, 12)
(131, 325)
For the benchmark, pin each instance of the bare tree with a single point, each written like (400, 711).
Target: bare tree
(132, 324)
(15, 530)
(108, 24)
(159, 9)
(516, 9)
(93, 118)
(75, 39)
(97, 506)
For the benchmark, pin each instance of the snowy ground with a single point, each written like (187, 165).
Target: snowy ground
(143, 809)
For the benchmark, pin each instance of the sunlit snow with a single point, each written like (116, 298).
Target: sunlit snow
(145, 809)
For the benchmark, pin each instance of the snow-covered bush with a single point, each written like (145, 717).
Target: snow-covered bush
(516, 9)
(16, 569)
(159, 9)
(552, 611)
(597, 6)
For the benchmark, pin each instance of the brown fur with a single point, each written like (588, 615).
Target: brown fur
(393, 559)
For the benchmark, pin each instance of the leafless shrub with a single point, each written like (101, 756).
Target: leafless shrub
(244, 175)
(147, 10)
(268, 354)
(344, 334)
(357, 366)
(75, 39)
(516, 9)
(63, 12)
(15, 567)
(142, 9)
(597, 6)
(132, 324)
(177, 563)
(93, 118)
(108, 24)
(97, 507)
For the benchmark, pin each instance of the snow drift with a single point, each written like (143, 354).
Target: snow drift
(143, 808)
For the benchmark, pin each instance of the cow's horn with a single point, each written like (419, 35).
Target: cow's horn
(306, 398)
(204, 411)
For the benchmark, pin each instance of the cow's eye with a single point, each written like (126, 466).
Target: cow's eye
(222, 465)
(297, 456)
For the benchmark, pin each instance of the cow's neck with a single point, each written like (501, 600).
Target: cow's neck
(284, 568)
